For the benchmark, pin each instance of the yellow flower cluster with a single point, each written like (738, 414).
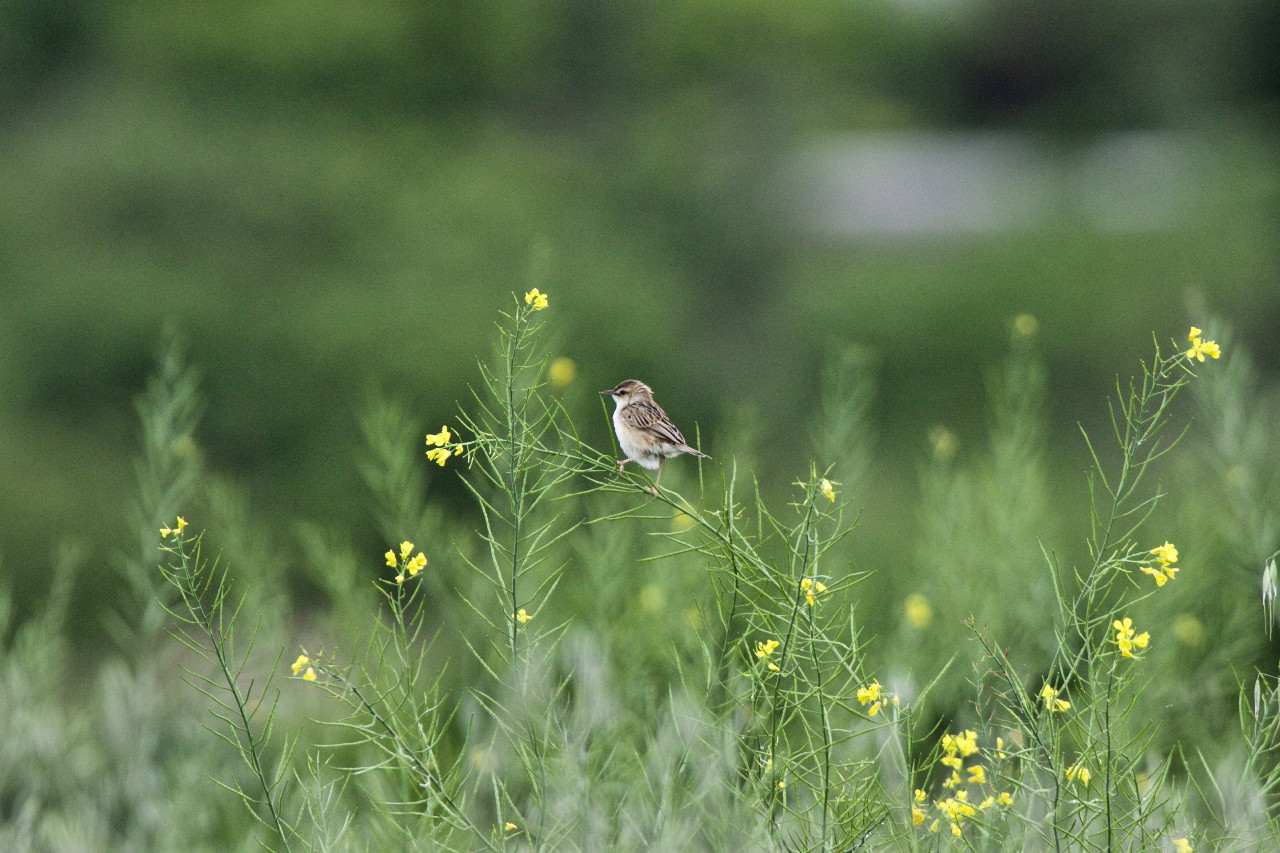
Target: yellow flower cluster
(957, 807)
(1077, 773)
(764, 649)
(442, 446)
(176, 530)
(522, 616)
(917, 610)
(870, 695)
(308, 671)
(1051, 700)
(1199, 347)
(537, 300)
(827, 490)
(561, 372)
(407, 567)
(812, 589)
(1125, 639)
(1166, 554)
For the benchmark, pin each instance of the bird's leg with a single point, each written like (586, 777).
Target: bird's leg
(654, 488)
(622, 462)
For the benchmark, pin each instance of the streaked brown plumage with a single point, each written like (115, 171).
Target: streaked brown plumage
(645, 433)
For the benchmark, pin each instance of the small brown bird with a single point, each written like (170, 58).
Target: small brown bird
(645, 433)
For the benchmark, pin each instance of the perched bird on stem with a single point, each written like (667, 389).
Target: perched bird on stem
(645, 433)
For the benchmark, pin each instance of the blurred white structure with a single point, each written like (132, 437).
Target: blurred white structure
(982, 183)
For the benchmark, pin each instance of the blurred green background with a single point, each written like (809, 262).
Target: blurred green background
(330, 201)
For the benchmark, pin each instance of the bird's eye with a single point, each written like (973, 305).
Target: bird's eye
(621, 393)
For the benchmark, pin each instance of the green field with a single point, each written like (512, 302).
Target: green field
(559, 660)
(252, 254)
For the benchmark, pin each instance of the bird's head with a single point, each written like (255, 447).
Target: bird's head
(629, 390)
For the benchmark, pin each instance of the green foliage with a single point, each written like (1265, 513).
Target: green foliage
(599, 668)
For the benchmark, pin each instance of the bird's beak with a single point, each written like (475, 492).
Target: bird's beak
(609, 392)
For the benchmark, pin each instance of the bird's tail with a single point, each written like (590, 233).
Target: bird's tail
(694, 452)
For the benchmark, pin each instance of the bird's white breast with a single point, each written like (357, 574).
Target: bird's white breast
(631, 448)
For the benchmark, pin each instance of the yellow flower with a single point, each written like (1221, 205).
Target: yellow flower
(1181, 845)
(987, 802)
(536, 298)
(400, 578)
(870, 693)
(828, 491)
(1004, 798)
(406, 548)
(1188, 629)
(509, 826)
(1160, 577)
(440, 451)
(523, 616)
(957, 807)
(1199, 347)
(955, 810)
(965, 743)
(1125, 639)
(417, 564)
(917, 816)
(1165, 553)
(918, 795)
(977, 774)
(764, 649)
(309, 675)
(298, 664)
(391, 558)
(176, 530)
(933, 827)
(812, 589)
(951, 760)
(561, 372)
(1078, 773)
(1051, 700)
(917, 610)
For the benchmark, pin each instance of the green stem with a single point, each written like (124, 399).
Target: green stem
(515, 494)
(403, 752)
(205, 619)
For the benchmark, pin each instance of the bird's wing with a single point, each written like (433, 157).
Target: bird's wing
(648, 416)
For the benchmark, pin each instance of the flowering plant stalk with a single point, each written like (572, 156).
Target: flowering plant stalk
(1070, 743)
(511, 427)
(206, 626)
